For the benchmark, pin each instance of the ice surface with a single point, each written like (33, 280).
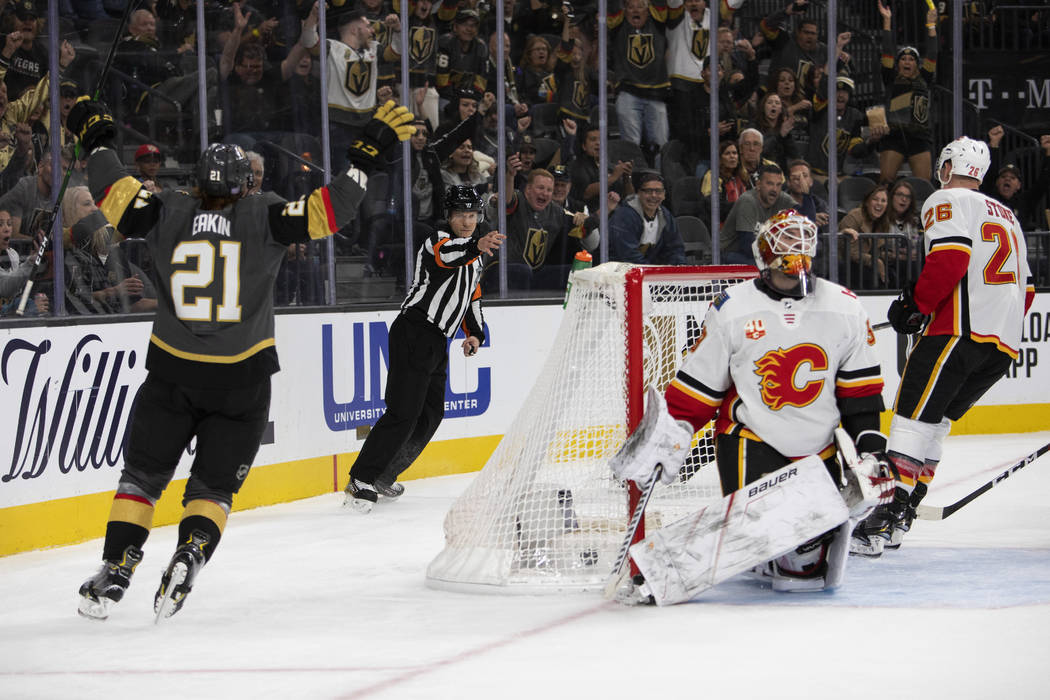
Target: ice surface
(307, 600)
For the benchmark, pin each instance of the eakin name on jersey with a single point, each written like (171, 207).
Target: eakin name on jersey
(780, 370)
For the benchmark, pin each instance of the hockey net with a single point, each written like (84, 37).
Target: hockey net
(545, 513)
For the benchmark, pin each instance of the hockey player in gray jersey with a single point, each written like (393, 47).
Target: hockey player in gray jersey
(212, 351)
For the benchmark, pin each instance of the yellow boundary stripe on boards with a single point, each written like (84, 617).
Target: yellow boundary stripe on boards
(995, 420)
(69, 520)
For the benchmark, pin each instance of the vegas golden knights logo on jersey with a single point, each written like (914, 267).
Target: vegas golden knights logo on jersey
(535, 246)
(920, 108)
(783, 375)
(802, 74)
(422, 44)
(382, 32)
(699, 47)
(579, 94)
(358, 77)
(549, 83)
(640, 51)
(843, 142)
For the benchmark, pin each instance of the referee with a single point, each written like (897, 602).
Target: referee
(444, 296)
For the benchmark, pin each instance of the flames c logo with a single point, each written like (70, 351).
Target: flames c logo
(778, 369)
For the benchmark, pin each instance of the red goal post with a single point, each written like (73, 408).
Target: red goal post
(545, 514)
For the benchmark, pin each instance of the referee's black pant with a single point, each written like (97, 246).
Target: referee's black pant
(415, 399)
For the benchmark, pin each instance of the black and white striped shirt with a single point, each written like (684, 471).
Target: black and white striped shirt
(446, 284)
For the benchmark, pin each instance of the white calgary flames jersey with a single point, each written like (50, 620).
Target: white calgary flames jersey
(988, 304)
(352, 77)
(776, 370)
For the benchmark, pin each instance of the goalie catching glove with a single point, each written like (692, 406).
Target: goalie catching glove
(389, 125)
(659, 440)
(92, 124)
(904, 314)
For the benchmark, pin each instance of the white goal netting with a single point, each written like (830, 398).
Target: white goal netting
(545, 513)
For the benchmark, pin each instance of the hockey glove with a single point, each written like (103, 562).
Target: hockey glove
(869, 483)
(658, 440)
(904, 314)
(388, 126)
(92, 124)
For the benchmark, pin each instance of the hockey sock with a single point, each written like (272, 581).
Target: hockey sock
(908, 470)
(130, 520)
(207, 516)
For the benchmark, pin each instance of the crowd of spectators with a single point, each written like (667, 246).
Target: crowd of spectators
(262, 86)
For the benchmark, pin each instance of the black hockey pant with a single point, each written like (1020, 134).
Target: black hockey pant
(415, 399)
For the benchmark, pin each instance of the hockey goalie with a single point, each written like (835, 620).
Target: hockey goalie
(782, 361)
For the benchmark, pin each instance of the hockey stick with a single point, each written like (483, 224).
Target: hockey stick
(613, 582)
(49, 233)
(942, 512)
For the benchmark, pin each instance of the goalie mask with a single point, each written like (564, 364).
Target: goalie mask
(787, 242)
(224, 171)
(969, 158)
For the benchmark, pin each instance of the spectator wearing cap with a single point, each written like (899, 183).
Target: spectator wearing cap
(852, 141)
(148, 159)
(644, 231)
(466, 103)
(1008, 188)
(542, 237)
(908, 79)
(526, 150)
(562, 188)
(638, 45)
(30, 104)
(353, 92)
(16, 153)
(256, 105)
(24, 55)
(462, 56)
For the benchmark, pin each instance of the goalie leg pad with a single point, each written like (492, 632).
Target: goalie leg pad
(762, 521)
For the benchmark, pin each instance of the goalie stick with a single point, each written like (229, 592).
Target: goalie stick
(942, 512)
(617, 575)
